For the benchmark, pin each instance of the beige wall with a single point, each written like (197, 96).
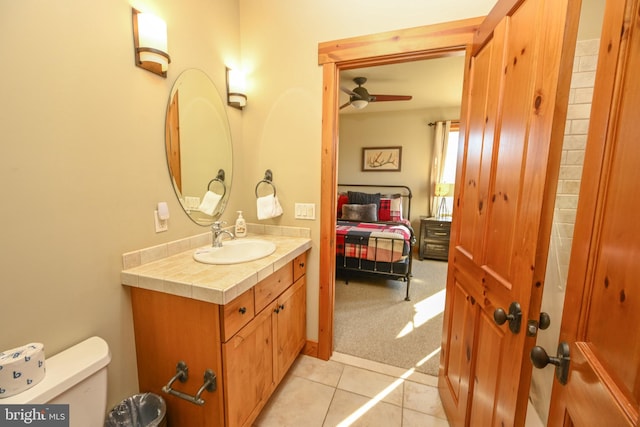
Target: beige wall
(408, 129)
(282, 125)
(83, 162)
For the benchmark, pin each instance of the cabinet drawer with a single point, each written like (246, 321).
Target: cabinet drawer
(299, 266)
(437, 233)
(435, 250)
(236, 314)
(268, 289)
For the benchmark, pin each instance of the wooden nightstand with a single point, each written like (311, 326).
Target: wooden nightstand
(434, 238)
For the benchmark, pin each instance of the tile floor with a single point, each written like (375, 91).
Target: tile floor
(349, 391)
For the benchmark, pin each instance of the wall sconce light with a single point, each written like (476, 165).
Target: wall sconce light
(150, 43)
(235, 90)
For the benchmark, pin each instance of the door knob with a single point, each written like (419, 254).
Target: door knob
(514, 317)
(543, 323)
(540, 359)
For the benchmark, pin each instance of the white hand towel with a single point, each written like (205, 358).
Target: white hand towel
(268, 207)
(209, 202)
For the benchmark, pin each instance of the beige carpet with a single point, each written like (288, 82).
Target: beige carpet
(373, 321)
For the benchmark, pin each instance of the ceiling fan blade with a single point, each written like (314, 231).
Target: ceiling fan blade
(345, 105)
(347, 91)
(381, 98)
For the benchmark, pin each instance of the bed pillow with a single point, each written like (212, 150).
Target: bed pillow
(358, 198)
(343, 199)
(396, 207)
(361, 213)
(390, 207)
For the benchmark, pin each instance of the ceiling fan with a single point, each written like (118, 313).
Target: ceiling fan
(359, 97)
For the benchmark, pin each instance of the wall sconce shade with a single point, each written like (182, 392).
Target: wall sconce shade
(150, 43)
(235, 90)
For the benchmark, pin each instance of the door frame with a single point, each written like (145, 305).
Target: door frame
(420, 43)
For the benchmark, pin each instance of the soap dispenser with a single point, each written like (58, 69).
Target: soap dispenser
(241, 226)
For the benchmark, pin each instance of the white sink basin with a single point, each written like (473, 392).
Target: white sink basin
(235, 251)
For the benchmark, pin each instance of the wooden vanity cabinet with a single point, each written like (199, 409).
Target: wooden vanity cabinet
(250, 344)
(256, 358)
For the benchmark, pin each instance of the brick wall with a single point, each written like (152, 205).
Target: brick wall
(584, 71)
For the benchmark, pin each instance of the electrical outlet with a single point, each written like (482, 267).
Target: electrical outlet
(161, 225)
(305, 211)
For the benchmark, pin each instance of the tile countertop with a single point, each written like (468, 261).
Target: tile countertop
(170, 267)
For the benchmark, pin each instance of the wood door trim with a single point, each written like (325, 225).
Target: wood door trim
(399, 45)
(486, 28)
(411, 44)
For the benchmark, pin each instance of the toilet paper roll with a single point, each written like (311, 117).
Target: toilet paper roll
(21, 368)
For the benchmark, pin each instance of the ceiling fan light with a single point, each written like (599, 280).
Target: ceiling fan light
(359, 103)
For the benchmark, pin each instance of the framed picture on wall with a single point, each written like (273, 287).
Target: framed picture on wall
(382, 159)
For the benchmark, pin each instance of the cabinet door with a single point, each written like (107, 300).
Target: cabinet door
(290, 326)
(169, 329)
(248, 373)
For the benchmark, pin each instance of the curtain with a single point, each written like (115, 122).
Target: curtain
(440, 143)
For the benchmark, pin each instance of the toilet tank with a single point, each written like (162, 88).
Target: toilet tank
(76, 376)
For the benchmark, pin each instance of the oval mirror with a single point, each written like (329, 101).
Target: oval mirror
(198, 146)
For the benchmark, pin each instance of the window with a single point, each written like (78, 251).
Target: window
(451, 156)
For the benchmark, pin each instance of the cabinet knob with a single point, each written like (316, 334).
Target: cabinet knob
(242, 310)
(279, 308)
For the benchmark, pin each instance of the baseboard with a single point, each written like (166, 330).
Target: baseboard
(310, 349)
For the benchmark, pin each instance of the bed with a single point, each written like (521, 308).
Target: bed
(373, 231)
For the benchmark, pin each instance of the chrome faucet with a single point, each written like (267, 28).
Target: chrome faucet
(218, 233)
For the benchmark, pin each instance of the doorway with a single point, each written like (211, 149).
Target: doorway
(434, 41)
(372, 320)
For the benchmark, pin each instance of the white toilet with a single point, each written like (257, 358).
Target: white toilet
(76, 376)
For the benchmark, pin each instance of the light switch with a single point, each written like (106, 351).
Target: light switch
(305, 211)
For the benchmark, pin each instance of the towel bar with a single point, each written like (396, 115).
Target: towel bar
(219, 178)
(268, 178)
(182, 374)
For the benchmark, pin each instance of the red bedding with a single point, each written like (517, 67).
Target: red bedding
(372, 241)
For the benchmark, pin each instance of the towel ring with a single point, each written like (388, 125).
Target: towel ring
(268, 178)
(219, 178)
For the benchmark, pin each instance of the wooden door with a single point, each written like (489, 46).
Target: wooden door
(601, 320)
(516, 83)
(172, 140)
